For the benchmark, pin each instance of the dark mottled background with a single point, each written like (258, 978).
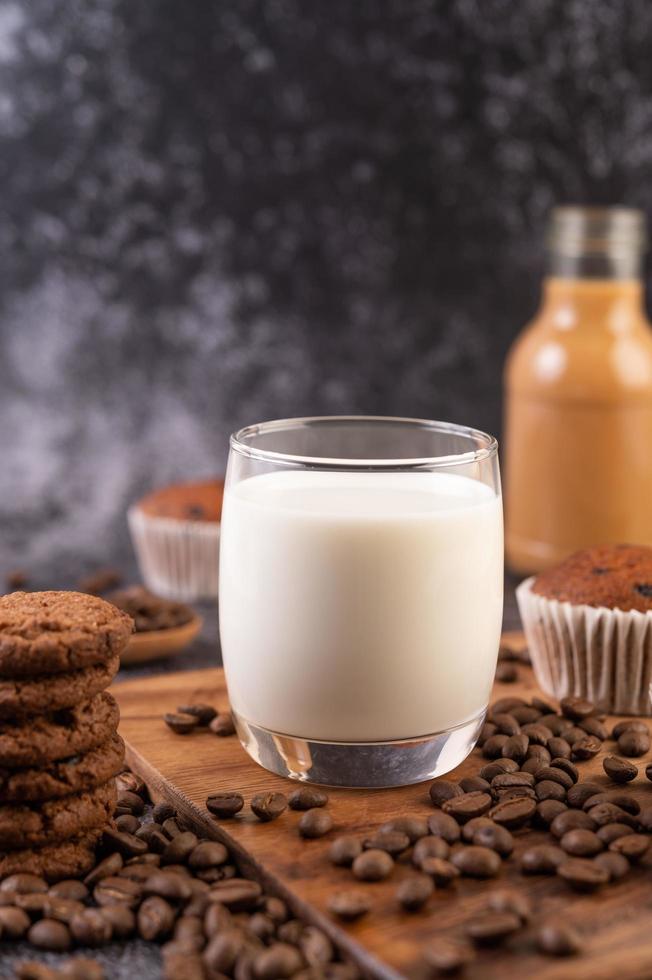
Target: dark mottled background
(219, 211)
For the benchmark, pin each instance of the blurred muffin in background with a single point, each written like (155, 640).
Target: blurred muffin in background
(176, 535)
(588, 624)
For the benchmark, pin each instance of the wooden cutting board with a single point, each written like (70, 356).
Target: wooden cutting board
(616, 923)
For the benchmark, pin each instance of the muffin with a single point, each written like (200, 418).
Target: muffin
(176, 535)
(588, 624)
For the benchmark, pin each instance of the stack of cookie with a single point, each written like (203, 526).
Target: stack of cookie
(59, 747)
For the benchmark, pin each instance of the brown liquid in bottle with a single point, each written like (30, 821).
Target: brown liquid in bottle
(579, 398)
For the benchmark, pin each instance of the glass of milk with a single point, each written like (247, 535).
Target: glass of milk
(361, 590)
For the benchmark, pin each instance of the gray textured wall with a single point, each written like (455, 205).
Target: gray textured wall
(219, 211)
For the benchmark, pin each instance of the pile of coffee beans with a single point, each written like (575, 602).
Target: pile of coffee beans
(199, 717)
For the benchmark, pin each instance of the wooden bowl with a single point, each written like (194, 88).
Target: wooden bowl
(157, 644)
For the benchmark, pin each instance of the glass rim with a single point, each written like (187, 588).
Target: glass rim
(488, 444)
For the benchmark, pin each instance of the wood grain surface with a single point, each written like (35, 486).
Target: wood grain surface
(616, 923)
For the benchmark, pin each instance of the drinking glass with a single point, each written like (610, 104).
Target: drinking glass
(361, 579)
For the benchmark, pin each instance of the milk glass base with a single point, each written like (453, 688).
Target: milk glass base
(362, 765)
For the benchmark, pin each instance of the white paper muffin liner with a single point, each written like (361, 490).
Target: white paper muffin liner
(177, 559)
(601, 654)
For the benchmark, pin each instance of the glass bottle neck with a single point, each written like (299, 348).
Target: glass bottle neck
(612, 304)
(622, 265)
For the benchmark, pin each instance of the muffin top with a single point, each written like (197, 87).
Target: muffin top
(186, 501)
(615, 576)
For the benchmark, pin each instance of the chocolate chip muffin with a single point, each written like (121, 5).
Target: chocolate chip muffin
(588, 624)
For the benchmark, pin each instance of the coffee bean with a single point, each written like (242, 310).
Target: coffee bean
(505, 723)
(476, 862)
(315, 823)
(539, 752)
(625, 801)
(429, 847)
(513, 813)
(593, 726)
(118, 891)
(631, 846)
(121, 919)
(373, 865)
(222, 952)
(50, 934)
(576, 708)
(467, 806)
(542, 859)
(543, 707)
(628, 725)
(533, 764)
(585, 748)
(548, 789)
(291, 932)
(24, 884)
(153, 837)
(61, 909)
(162, 812)
(506, 673)
(261, 925)
(34, 903)
(444, 957)
(474, 784)
(128, 823)
(414, 827)
(557, 725)
(393, 842)
(582, 875)
(559, 748)
(125, 844)
(204, 713)
(31, 970)
(277, 961)
(556, 775)
(237, 894)
(633, 743)
(91, 928)
(470, 828)
(105, 869)
(612, 831)
(315, 945)
(581, 843)
(14, 922)
(547, 810)
(208, 854)
(517, 792)
(224, 805)
(610, 813)
(181, 963)
(492, 928)
(414, 892)
(616, 865)
(190, 928)
(440, 870)
(515, 902)
(443, 825)
(498, 767)
(578, 794)
(442, 790)
(169, 885)
(508, 780)
(344, 850)
(493, 747)
(155, 919)
(516, 747)
(558, 938)
(69, 888)
(223, 725)
(181, 724)
(217, 918)
(644, 819)
(170, 828)
(487, 730)
(495, 837)
(307, 798)
(525, 715)
(349, 904)
(537, 734)
(268, 806)
(131, 801)
(566, 766)
(571, 820)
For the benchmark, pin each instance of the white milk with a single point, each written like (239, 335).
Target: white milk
(360, 607)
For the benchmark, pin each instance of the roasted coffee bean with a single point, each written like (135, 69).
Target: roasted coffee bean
(507, 780)
(223, 725)
(90, 927)
(513, 813)
(70, 889)
(131, 801)
(442, 790)
(162, 812)
(443, 825)
(616, 865)
(51, 935)
(516, 747)
(61, 909)
(493, 769)
(505, 723)
(118, 891)
(506, 673)
(216, 919)
(24, 884)
(31, 970)
(582, 875)
(526, 715)
(14, 922)
(155, 919)
(393, 842)
(576, 708)
(543, 707)
(515, 793)
(492, 928)
(578, 794)
(548, 789)
(444, 957)
(644, 819)
(137, 872)
(315, 823)
(586, 747)
(618, 798)
(648, 771)
(593, 726)
(542, 859)
(128, 780)
(515, 902)
(612, 831)
(476, 862)
(180, 962)
(487, 730)
(558, 938)
(128, 823)
(631, 846)
(277, 961)
(315, 945)
(581, 843)
(604, 813)
(539, 752)
(537, 734)
(628, 725)
(180, 848)
(222, 951)
(262, 926)
(121, 919)
(349, 904)
(153, 837)
(559, 748)
(533, 764)
(372, 865)
(495, 837)
(204, 713)
(191, 928)
(237, 894)
(125, 844)
(169, 885)
(105, 869)
(414, 827)
(307, 798)
(493, 747)
(429, 847)
(34, 903)
(470, 828)
(575, 734)
(181, 724)
(633, 743)
(344, 850)
(556, 775)
(546, 812)
(81, 968)
(571, 820)
(566, 766)
(207, 854)
(414, 892)
(291, 932)
(556, 724)
(224, 805)
(467, 806)
(440, 870)
(268, 806)
(474, 784)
